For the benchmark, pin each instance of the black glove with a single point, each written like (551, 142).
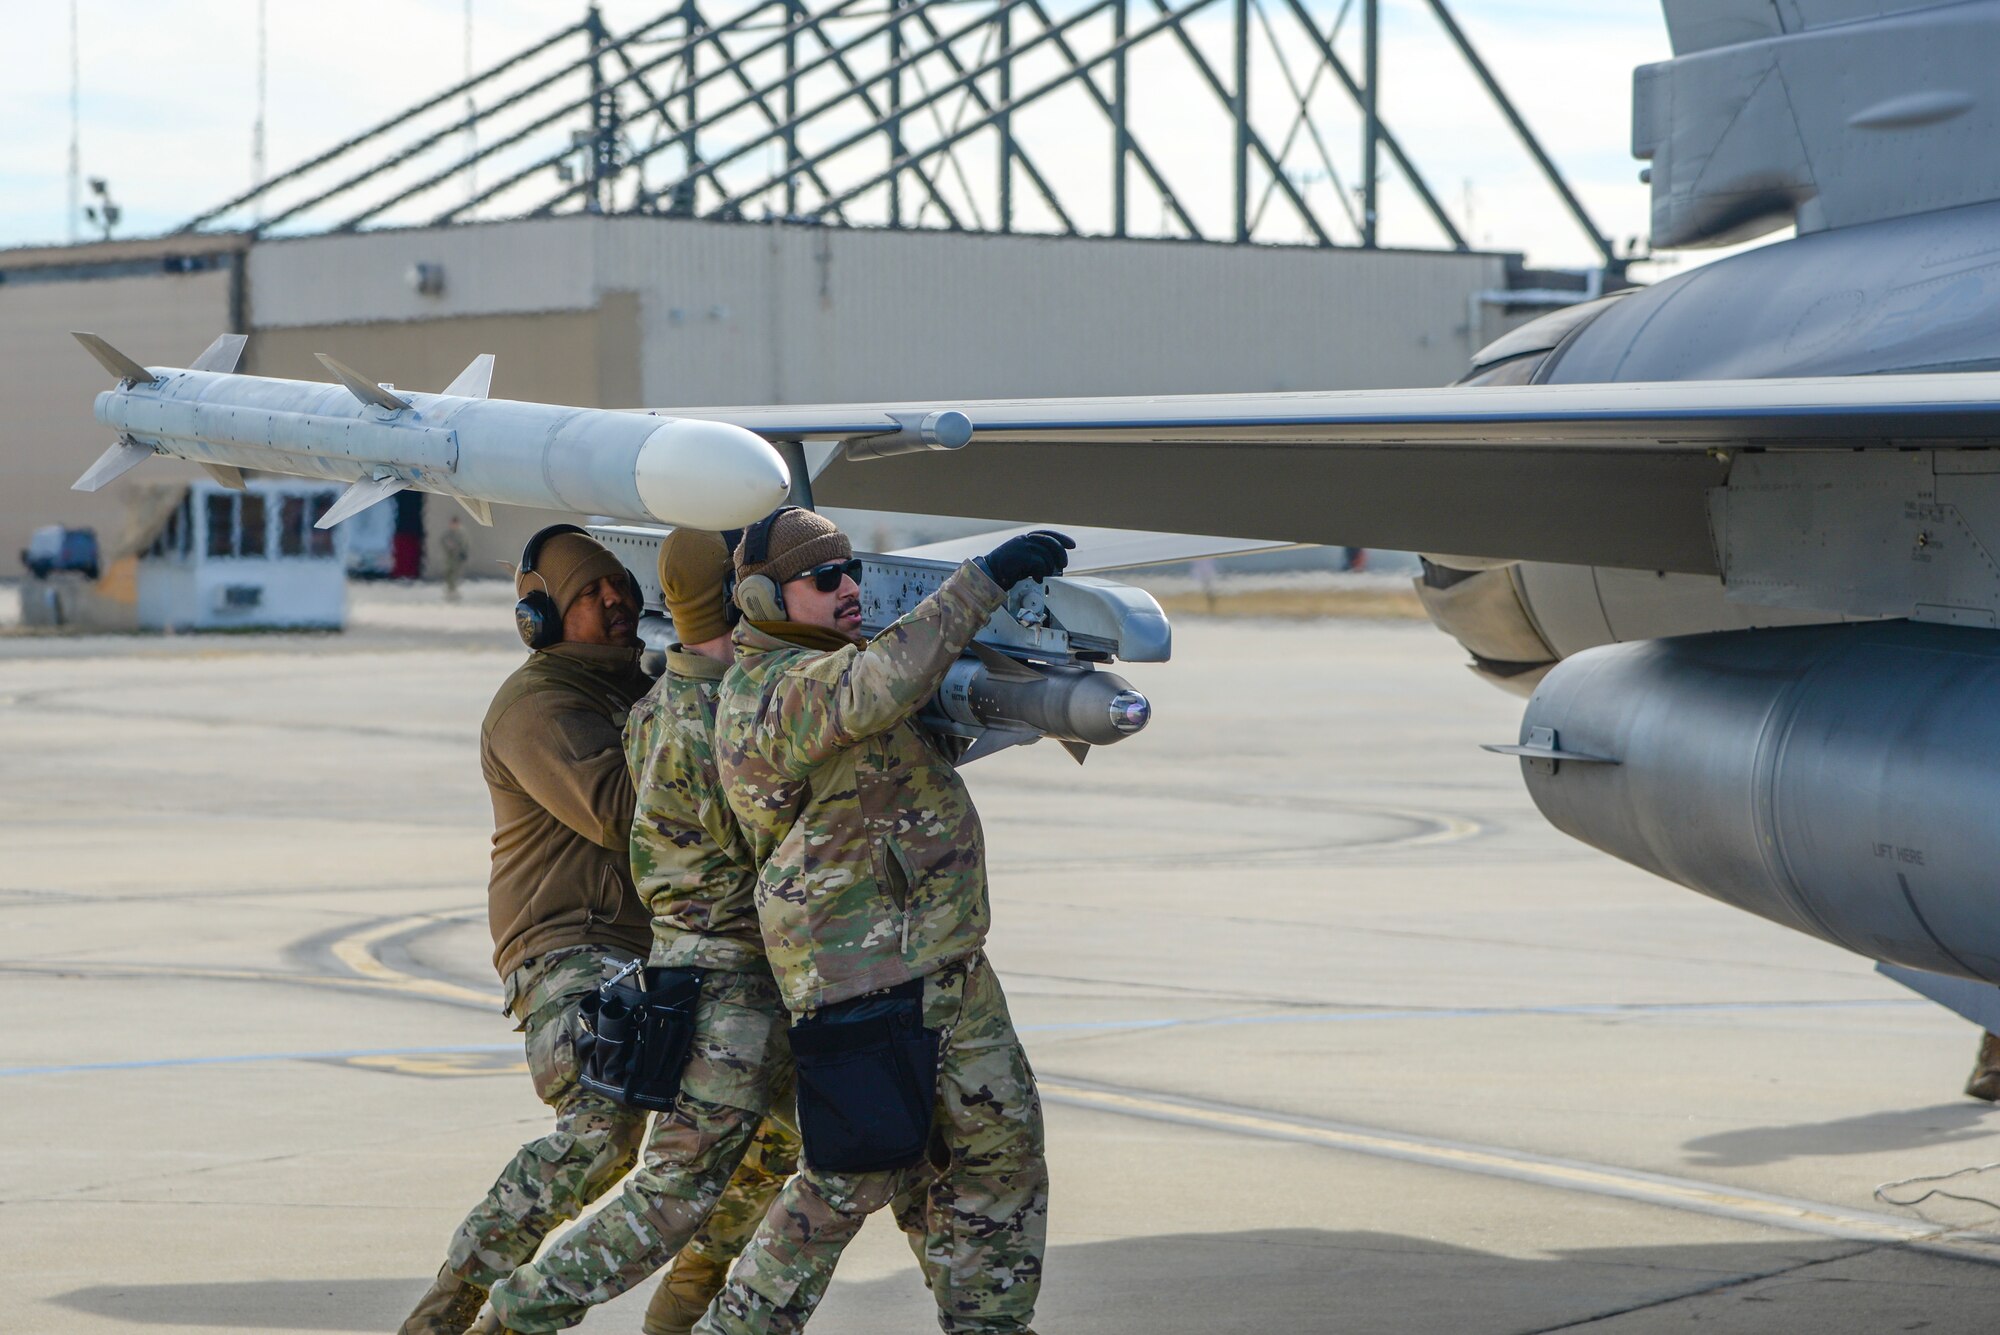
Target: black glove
(1034, 555)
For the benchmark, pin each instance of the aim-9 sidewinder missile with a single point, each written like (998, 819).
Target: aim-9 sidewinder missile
(462, 444)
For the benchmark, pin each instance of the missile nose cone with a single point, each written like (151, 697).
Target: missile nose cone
(709, 475)
(1130, 711)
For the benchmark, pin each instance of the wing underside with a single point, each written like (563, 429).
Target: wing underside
(1617, 475)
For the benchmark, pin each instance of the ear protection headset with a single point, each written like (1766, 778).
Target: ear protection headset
(536, 616)
(759, 595)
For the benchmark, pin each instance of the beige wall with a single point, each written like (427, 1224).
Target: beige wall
(652, 312)
(48, 383)
(757, 313)
(587, 358)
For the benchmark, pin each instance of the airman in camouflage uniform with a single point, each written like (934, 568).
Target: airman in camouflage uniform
(873, 873)
(694, 870)
(562, 908)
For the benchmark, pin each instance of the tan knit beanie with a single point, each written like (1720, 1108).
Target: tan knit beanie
(800, 540)
(694, 569)
(567, 564)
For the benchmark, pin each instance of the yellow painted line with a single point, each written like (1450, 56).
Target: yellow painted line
(1656, 1189)
(96, 969)
(357, 952)
(1453, 829)
(440, 1064)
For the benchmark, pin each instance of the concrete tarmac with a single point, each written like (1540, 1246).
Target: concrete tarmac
(1336, 1034)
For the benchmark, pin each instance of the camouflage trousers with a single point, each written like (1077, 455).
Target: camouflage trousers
(593, 1144)
(740, 1069)
(773, 1157)
(984, 1215)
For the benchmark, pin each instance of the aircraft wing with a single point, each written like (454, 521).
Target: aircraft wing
(1599, 474)
(1102, 549)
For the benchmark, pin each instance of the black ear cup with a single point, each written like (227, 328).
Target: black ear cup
(536, 619)
(536, 616)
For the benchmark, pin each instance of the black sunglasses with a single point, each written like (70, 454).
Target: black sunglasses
(826, 578)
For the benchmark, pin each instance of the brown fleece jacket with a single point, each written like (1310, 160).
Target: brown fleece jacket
(554, 758)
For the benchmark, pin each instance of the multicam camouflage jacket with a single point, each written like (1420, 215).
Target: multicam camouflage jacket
(873, 866)
(690, 861)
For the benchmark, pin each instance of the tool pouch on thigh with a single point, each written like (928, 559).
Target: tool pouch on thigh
(637, 1032)
(867, 1081)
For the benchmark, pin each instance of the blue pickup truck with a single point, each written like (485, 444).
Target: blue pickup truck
(53, 547)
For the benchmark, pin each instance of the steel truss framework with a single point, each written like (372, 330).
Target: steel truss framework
(962, 114)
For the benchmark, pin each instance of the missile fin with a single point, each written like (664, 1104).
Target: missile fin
(1001, 666)
(361, 387)
(993, 740)
(481, 511)
(1081, 750)
(114, 361)
(221, 355)
(359, 497)
(228, 475)
(475, 381)
(113, 464)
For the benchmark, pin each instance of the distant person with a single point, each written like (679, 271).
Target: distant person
(1985, 1080)
(872, 899)
(452, 547)
(559, 897)
(693, 868)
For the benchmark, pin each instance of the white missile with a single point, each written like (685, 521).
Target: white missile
(381, 440)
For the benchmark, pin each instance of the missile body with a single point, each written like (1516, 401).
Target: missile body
(1077, 705)
(594, 461)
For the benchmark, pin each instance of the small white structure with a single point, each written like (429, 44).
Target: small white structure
(231, 560)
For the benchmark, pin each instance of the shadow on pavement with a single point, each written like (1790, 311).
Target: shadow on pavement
(267, 1304)
(1906, 1128)
(1292, 1280)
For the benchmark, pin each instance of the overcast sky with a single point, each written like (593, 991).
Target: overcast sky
(168, 98)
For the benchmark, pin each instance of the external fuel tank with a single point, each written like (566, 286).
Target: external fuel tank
(1838, 780)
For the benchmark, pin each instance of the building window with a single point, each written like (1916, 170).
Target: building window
(238, 524)
(321, 539)
(222, 525)
(251, 535)
(172, 539)
(292, 526)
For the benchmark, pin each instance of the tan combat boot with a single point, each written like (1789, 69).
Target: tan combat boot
(685, 1292)
(447, 1309)
(1985, 1081)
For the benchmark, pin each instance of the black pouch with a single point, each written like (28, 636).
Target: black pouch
(867, 1081)
(638, 1029)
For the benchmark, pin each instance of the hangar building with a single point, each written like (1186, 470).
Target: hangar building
(652, 291)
